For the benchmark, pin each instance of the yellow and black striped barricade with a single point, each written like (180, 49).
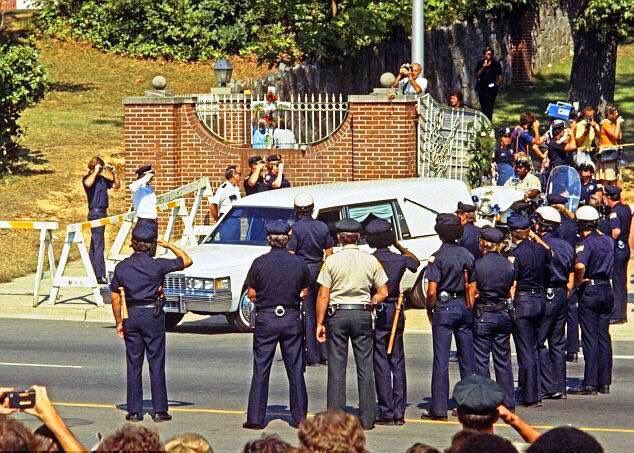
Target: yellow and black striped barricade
(74, 235)
(46, 248)
(201, 189)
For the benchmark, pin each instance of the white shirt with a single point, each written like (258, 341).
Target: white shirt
(224, 197)
(283, 138)
(405, 87)
(144, 198)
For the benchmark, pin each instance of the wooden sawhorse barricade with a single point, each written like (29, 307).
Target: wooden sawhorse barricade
(46, 247)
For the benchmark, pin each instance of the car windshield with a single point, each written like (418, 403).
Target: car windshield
(245, 225)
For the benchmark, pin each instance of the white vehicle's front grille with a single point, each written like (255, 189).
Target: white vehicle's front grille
(174, 283)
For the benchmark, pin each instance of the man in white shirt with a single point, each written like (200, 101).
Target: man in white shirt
(410, 80)
(227, 193)
(144, 201)
(282, 137)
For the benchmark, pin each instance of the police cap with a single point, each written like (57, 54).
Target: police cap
(465, 207)
(478, 394)
(491, 234)
(505, 132)
(611, 191)
(518, 222)
(303, 200)
(274, 158)
(143, 170)
(143, 232)
(277, 227)
(555, 198)
(557, 125)
(255, 159)
(348, 226)
(378, 226)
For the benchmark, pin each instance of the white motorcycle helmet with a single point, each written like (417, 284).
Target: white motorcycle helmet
(303, 200)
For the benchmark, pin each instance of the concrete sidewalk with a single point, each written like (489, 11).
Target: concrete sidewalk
(77, 304)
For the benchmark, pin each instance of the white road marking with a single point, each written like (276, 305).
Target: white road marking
(39, 365)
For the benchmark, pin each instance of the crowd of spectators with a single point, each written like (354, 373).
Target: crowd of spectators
(479, 409)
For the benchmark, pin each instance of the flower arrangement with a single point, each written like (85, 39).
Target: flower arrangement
(269, 106)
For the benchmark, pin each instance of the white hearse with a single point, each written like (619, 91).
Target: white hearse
(214, 284)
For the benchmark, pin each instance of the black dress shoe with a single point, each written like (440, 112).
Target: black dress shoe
(572, 357)
(313, 364)
(134, 417)
(525, 404)
(399, 421)
(582, 390)
(384, 422)
(247, 425)
(605, 389)
(370, 428)
(555, 396)
(426, 415)
(453, 356)
(161, 417)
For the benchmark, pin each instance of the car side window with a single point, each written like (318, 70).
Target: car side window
(366, 212)
(330, 217)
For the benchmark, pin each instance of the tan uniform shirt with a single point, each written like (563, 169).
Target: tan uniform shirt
(527, 184)
(350, 274)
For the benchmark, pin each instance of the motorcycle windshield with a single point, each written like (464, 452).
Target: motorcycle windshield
(564, 180)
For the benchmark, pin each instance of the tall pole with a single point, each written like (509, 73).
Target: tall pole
(418, 32)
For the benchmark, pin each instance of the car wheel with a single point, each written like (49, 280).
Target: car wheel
(240, 319)
(172, 320)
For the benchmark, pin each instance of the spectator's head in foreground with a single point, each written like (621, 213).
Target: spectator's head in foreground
(15, 436)
(456, 99)
(459, 439)
(478, 398)
(485, 443)
(565, 439)
(421, 448)
(332, 432)
(267, 444)
(131, 438)
(188, 443)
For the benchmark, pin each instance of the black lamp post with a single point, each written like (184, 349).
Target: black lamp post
(223, 70)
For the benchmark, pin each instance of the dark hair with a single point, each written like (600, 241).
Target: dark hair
(478, 422)
(142, 246)
(587, 109)
(278, 241)
(565, 439)
(270, 443)
(346, 238)
(610, 109)
(527, 118)
(450, 233)
(459, 439)
(92, 163)
(15, 436)
(421, 448)
(488, 49)
(132, 438)
(485, 442)
(458, 94)
(47, 438)
(381, 240)
(231, 171)
(332, 432)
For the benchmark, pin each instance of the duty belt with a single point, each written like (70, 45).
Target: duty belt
(597, 281)
(550, 291)
(279, 310)
(332, 308)
(525, 292)
(444, 296)
(131, 303)
(492, 308)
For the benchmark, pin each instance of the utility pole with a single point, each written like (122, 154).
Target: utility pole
(418, 32)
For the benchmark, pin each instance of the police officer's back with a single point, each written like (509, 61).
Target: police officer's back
(141, 277)
(471, 236)
(275, 282)
(311, 240)
(389, 370)
(620, 222)
(567, 229)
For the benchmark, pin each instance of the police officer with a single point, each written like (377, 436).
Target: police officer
(567, 229)
(222, 201)
(494, 277)
(143, 331)
(530, 260)
(347, 278)
(275, 178)
(311, 240)
(389, 371)
(254, 182)
(471, 236)
(144, 202)
(275, 283)
(552, 360)
(446, 292)
(589, 185)
(593, 269)
(620, 221)
(504, 156)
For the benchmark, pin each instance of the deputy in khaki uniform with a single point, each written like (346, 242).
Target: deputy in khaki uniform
(523, 180)
(347, 278)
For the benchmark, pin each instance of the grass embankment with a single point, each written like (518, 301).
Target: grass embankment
(81, 116)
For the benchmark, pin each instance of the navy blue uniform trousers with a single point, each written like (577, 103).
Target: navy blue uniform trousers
(269, 331)
(492, 336)
(529, 312)
(97, 244)
(552, 359)
(389, 370)
(595, 305)
(144, 335)
(619, 280)
(450, 318)
(356, 326)
(315, 352)
(572, 325)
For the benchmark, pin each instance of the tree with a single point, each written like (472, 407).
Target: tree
(598, 26)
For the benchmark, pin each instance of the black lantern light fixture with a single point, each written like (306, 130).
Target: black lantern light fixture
(223, 70)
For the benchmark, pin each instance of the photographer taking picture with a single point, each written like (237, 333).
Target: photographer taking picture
(410, 80)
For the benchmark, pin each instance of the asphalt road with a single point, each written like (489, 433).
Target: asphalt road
(209, 370)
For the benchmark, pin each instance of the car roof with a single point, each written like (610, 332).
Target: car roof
(431, 191)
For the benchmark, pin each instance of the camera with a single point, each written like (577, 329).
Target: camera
(24, 399)
(407, 67)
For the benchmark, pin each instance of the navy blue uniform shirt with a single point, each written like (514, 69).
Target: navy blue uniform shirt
(267, 183)
(277, 278)
(448, 266)
(557, 154)
(503, 155)
(98, 193)
(471, 239)
(568, 231)
(561, 263)
(530, 264)
(494, 276)
(587, 190)
(394, 265)
(309, 239)
(141, 276)
(258, 187)
(621, 218)
(596, 253)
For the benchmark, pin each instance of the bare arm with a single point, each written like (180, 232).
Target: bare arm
(328, 251)
(406, 252)
(251, 294)
(473, 293)
(115, 299)
(213, 210)
(323, 297)
(255, 175)
(380, 295)
(432, 287)
(136, 185)
(187, 261)
(512, 290)
(278, 179)
(615, 233)
(415, 85)
(579, 272)
(89, 180)
(528, 433)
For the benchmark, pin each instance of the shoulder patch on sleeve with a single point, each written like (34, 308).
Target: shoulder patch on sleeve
(579, 249)
(431, 259)
(511, 259)
(613, 215)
